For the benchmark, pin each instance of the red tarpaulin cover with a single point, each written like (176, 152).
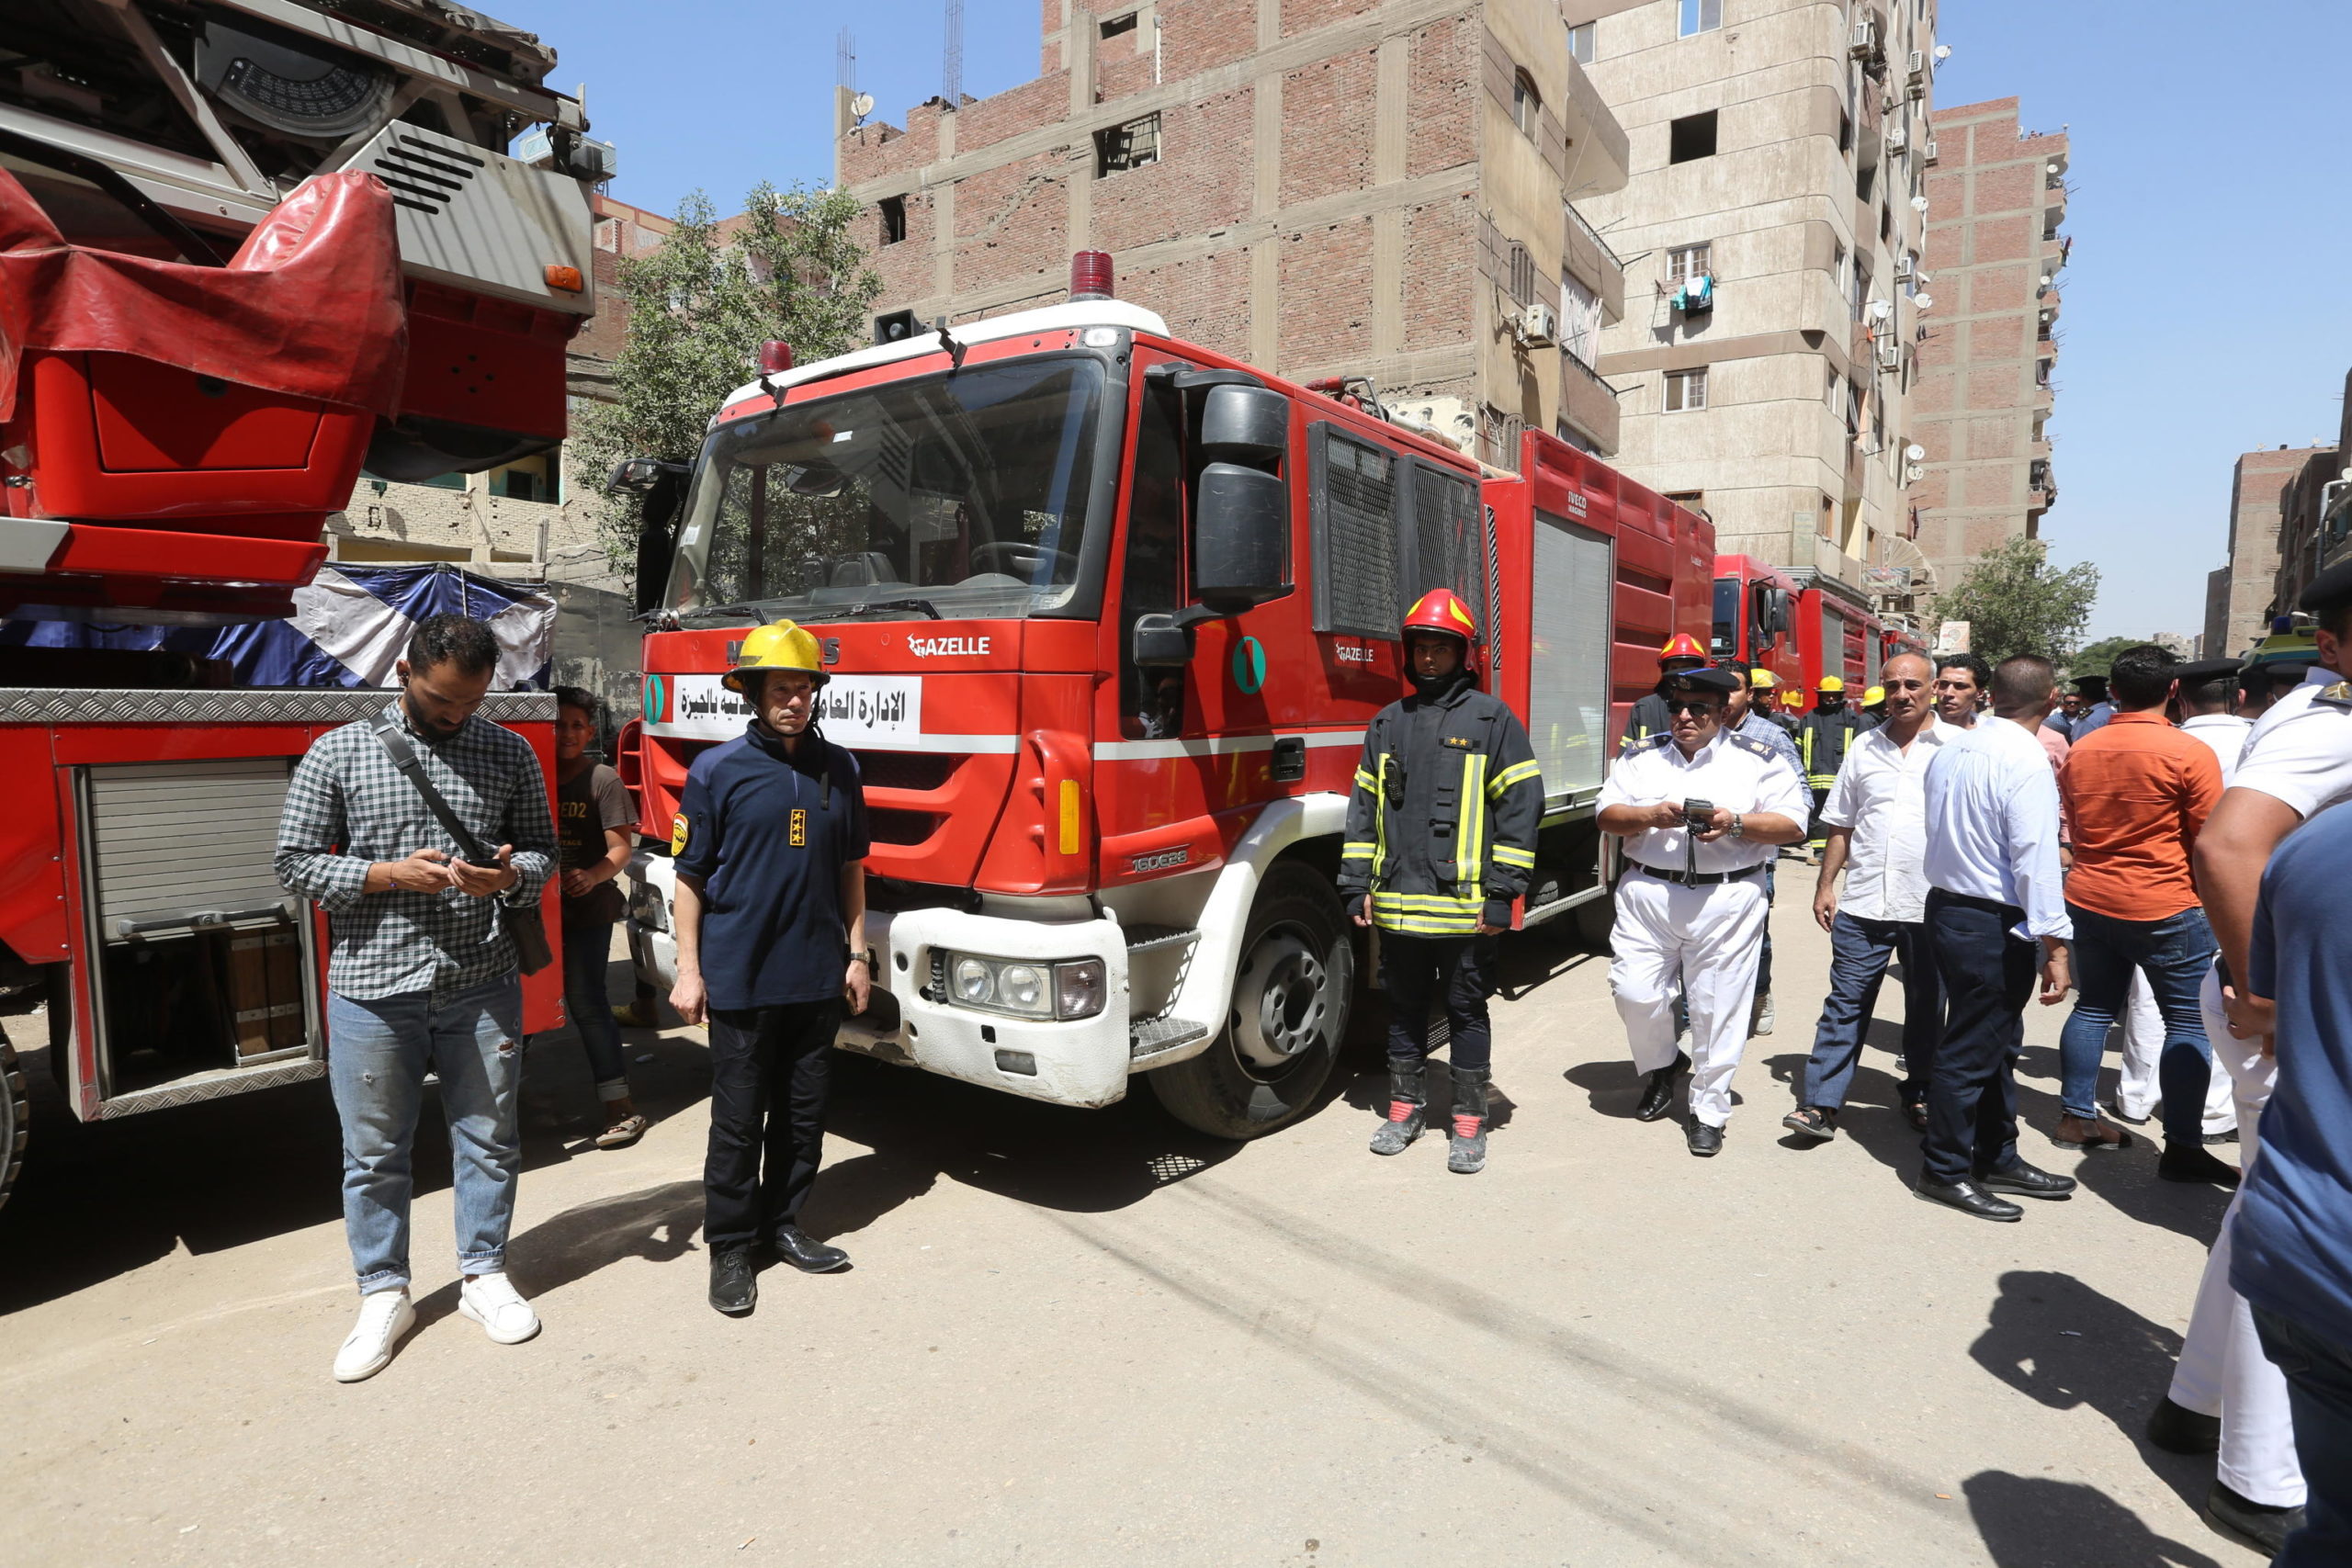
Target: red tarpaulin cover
(310, 306)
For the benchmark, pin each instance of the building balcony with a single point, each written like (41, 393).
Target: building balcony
(1597, 149)
(1588, 404)
(1586, 256)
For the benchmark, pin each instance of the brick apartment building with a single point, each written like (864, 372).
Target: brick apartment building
(1377, 187)
(2239, 596)
(1984, 395)
(1765, 360)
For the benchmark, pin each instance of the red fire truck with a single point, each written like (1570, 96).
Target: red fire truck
(1106, 614)
(1755, 618)
(226, 231)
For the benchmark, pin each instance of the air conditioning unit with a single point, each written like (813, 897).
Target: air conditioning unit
(1915, 66)
(1902, 268)
(1536, 326)
(1890, 356)
(1898, 141)
(1929, 152)
(1865, 37)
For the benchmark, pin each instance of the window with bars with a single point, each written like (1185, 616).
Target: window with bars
(1686, 390)
(1129, 146)
(1684, 263)
(1522, 275)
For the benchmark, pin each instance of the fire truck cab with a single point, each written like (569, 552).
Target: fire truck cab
(1106, 616)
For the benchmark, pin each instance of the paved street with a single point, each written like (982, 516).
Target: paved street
(1090, 1338)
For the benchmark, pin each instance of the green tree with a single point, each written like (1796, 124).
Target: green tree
(699, 306)
(2016, 602)
(2098, 658)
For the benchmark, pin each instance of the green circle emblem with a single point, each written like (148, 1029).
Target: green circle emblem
(653, 703)
(1250, 665)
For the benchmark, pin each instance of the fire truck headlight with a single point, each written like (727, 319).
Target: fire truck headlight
(1078, 988)
(1021, 988)
(975, 981)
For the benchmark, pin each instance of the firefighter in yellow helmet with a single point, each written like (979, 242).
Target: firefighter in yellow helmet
(1440, 843)
(770, 844)
(1823, 736)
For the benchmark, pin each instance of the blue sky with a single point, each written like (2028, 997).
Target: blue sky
(2204, 316)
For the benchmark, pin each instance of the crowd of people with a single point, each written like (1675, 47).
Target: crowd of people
(2145, 842)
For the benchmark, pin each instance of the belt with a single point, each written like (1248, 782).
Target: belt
(1697, 878)
(1971, 901)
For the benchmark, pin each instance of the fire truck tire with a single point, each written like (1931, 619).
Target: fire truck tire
(1594, 920)
(13, 1109)
(1291, 996)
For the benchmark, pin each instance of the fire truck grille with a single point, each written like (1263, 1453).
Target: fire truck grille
(889, 826)
(906, 770)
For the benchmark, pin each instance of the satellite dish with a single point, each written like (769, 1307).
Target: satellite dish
(1943, 52)
(1915, 452)
(861, 105)
(1879, 309)
(1924, 301)
(1919, 204)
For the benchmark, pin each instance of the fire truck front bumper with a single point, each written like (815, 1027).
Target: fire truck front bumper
(1033, 1008)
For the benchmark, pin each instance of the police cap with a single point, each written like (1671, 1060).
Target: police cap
(1722, 682)
(2203, 670)
(2091, 686)
(2330, 591)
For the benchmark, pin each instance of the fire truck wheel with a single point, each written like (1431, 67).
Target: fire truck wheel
(12, 1118)
(1291, 995)
(1594, 920)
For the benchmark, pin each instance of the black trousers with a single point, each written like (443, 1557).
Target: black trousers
(771, 1074)
(1988, 976)
(1460, 970)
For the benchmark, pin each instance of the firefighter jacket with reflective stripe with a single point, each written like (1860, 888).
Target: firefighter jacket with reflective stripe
(1822, 739)
(1649, 717)
(1441, 821)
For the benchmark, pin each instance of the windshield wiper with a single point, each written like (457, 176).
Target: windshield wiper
(925, 606)
(753, 609)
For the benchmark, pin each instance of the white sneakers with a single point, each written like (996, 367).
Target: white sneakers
(384, 1316)
(490, 1300)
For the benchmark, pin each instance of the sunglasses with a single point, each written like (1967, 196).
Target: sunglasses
(1698, 706)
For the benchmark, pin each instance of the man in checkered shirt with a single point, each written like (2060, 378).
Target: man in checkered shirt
(422, 977)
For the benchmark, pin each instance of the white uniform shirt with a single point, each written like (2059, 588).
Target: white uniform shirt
(1881, 795)
(2301, 751)
(1992, 824)
(1731, 771)
(2225, 733)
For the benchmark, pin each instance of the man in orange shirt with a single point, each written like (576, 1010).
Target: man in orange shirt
(2137, 791)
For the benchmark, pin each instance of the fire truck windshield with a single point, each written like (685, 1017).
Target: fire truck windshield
(962, 496)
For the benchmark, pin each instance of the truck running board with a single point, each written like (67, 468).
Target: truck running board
(1155, 1036)
(1150, 939)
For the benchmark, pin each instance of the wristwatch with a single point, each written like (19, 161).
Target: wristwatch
(870, 959)
(1738, 826)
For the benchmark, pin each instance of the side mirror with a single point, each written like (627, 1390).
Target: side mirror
(635, 475)
(1240, 537)
(1245, 425)
(1158, 643)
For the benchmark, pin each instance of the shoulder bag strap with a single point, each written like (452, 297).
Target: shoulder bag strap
(404, 758)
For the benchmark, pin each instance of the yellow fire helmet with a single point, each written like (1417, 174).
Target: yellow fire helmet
(783, 645)
(1832, 683)
(1875, 696)
(1761, 680)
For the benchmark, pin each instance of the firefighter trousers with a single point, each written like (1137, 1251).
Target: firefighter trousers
(1706, 939)
(1456, 972)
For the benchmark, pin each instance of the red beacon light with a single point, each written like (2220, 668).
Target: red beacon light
(1090, 275)
(776, 354)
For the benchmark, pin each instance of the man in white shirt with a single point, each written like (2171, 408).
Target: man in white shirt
(2206, 688)
(1700, 811)
(2226, 1394)
(1877, 817)
(1997, 910)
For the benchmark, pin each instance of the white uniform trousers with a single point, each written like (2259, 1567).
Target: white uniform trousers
(1703, 942)
(2223, 1371)
(2137, 1090)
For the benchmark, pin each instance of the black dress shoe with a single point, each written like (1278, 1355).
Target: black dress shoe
(1661, 1093)
(2263, 1525)
(2178, 1429)
(2023, 1181)
(1705, 1142)
(809, 1256)
(2190, 1163)
(734, 1278)
(1969, 1199)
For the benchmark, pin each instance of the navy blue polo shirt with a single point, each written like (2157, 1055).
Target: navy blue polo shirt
(767, 832)
(2291, 1245)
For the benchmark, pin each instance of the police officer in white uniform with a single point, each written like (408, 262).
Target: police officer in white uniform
(1701, 812)
(2225, 1392)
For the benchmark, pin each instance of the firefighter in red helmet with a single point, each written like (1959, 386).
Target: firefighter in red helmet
(1681, 653)
(1439, 841)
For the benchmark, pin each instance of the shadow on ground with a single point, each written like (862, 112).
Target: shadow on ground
(2028, 1522)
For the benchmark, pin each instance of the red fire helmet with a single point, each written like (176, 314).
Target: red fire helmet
(1682, 645)
(1441, 610)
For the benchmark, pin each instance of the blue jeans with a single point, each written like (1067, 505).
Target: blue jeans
(378, 1053)
(587, 953)
(1859, 952)
(2174, 953)
(2319, 1393)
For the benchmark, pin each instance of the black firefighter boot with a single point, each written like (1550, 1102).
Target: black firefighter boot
(1407, 1093)
(1466, 1155)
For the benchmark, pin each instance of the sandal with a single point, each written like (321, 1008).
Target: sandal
(1811, 1122)
(623, 1133)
